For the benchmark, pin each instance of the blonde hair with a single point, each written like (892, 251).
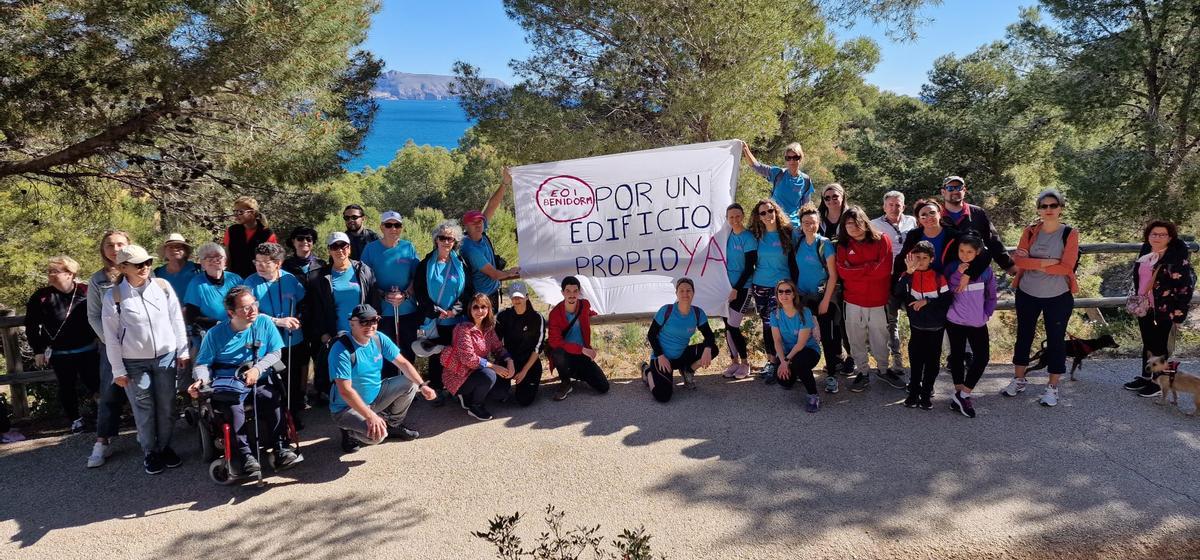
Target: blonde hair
(66, 262)
(795, 148)
(249, 203)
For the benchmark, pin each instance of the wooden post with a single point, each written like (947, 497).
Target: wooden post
(12, 363)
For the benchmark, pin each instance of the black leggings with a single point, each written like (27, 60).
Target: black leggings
(664, 381)
(577, 366)
(295, 361)
(526, 391)
(833, 330)
(1057, 313)
(403, 331)
(924, 359)
(70, 369)
(801, 365)
(1155, 338)
(434, 371)
(764, 303)
(960, 337)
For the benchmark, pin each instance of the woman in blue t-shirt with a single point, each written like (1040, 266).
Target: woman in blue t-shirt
(204, 301)
(773, 231)
(797, 349)
(669, 337)
(741, 255)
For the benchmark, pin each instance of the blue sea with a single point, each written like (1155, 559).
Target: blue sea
(438, 123)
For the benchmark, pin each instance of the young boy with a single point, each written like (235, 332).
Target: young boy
(967, 322)
(926, 297)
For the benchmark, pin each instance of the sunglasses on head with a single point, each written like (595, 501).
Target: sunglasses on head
(392, 225)
(1050, 206)
(792, 158)
(352, 218)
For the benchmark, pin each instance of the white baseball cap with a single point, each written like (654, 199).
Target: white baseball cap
(391, 215)
(337, 237)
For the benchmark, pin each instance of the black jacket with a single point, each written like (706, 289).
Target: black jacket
(241, 251)
(932, 316)
(1174, 282)
(57, 320)
(320, 309)
(358, 241)
(949, 253)
(522, 334)
(425, 305)
(974, 218)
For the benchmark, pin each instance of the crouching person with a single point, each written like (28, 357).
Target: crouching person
(238, 357)
(570, 341)
(673, 327)
(365, 406)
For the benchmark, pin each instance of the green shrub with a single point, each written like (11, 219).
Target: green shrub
(558, 543)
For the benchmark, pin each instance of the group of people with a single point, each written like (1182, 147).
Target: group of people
(825, 279)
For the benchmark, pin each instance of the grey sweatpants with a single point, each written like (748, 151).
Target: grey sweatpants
(395, 396)
(151, 392)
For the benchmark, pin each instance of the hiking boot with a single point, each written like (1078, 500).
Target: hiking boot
(963, 404)
(689, 378)
(480, 413)
(286, 457)
(731, 371)
(153, 464)
(891, 377)
(831, 384)
(562, 392)
(1049, 396)
(1015, 387)
(1151, 389)
(813, 405)
(1136, 384)
(350, 444)
(169, 458)
(925, 403)
(911, 400)
(861, 383)
(100, 452)
(403, 433)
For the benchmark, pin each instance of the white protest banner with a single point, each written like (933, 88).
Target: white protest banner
(627, 225)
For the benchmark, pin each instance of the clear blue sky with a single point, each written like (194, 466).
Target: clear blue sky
(423, 36)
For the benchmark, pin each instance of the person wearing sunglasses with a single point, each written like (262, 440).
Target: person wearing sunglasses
(394, 262)
(1045, 283)
(773, 231)
(968, 217)
(864, 265)
(112, 397)
(669, 337)
(476, 358)
(304, 260)
(790, 187)
(833, 203)
(145, 342)
(443, 290)
(487, 269)
(204, 301)
(1164, 278)
(241, 238)
(359, 236)
(333, 292)
(796, 346)
(61, 338)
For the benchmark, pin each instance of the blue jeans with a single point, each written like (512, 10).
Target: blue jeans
(151, 392)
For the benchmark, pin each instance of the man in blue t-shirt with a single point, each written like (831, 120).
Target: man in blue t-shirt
(487, 270)
(365, 406)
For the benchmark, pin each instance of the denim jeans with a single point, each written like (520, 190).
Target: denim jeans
(151, 392)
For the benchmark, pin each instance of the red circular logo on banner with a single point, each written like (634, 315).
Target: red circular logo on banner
(564, 198)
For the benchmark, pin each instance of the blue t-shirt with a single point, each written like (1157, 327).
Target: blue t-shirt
(366, 375)
(790, 327)
(445, 283)
(939, 244)
(772, 261)
(280, 298)
(479, 254)
(736, 248)
(955, 216)
(209, 297)
(347, 294)
(790, 193)
(180, 280)
(678, 331)
(575, 333)
(393, 268)
(810, 264)
(227, 350)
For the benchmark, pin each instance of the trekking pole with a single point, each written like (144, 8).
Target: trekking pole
(287, 386)
(257, 437)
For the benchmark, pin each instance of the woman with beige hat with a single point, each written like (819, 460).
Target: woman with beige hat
(177, 267)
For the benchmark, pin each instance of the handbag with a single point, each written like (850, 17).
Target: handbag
(1138, 304)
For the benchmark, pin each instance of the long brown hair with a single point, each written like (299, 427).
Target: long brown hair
(489, 320)
(759, 229)
(100, 247)
(870, 234)
(795, 292)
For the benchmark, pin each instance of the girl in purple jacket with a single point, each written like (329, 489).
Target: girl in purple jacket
(966, 322)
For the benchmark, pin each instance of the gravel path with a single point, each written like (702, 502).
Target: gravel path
(731, 470)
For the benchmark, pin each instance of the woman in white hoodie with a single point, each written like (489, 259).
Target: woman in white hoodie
(145, 341)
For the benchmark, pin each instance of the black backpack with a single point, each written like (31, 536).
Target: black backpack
(351, 346)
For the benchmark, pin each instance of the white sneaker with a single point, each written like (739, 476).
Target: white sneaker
(1014, 387)
(100, 452)
(1049, 397)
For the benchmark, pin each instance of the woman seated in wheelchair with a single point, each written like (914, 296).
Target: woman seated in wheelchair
(237, 354)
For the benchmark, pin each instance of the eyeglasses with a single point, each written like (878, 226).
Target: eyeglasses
(242, 212)
(445, 238)
(785, 292)
(766, 212)
(214, 258)
(247, 308)
(479, 308)
(52, 271)
(792, 158)
(953, 188)
(304, 238)
(1051, 206)
(352, 218)
(392, 225)
(1155, 234)
(339, 246)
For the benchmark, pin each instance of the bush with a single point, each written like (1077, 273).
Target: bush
(560, 544)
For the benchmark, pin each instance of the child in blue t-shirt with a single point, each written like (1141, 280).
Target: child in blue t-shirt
(796, 347)
(669, 337)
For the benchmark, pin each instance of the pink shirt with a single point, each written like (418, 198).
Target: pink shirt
(1146, 279)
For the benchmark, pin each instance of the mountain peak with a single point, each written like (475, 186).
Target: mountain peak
(403, 85)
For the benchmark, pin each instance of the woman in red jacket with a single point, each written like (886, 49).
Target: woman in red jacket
(469, 370)
(864, 265)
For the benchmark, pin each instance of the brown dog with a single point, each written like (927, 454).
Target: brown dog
(1172, 381)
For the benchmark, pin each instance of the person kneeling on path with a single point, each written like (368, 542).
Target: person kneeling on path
(522, 330)
(470, 372)
(793, 326)
(673, 327)
(365, 406)
(238, 356)
(570, 341)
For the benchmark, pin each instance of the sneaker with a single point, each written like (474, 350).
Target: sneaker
(645, 375)
(732, 370)
(403, 433)
(480, 413)
(561, 394)
(743, 371)
(1151, 389)
(1136, 384)
(911, 400)
(1049, 396)
(100, 452)
(462, 401)
(814, 404)
(689, 378)
(861, 383)
(831, 384)
(153, 464)
(925, 403)
(963, 404)
(250, 466)
(77, 425)
(1015, 387)
(848, 367)
(169, 458)
(891, 377)
(768, 369)
(286, 457)
(350, 444)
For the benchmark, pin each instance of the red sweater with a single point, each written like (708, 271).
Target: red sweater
(865, 270)
(558, 324)
(462, 357)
